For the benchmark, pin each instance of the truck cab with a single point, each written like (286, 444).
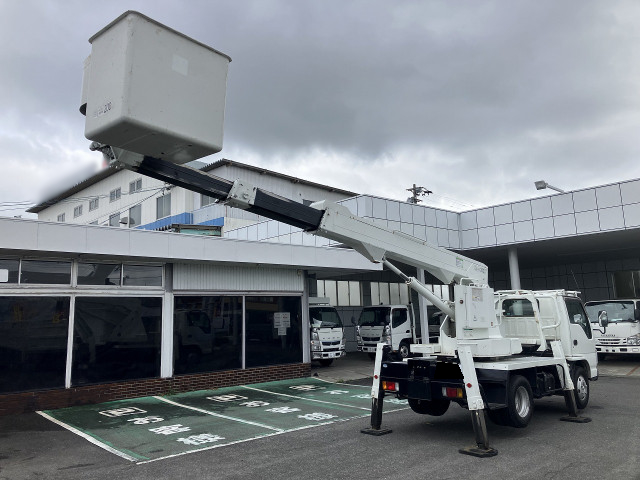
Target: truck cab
(391, 325)
(619, 334)
(327, 332)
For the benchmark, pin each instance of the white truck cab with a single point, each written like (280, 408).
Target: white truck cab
(619, 333)
(327, 331)
(388, 324)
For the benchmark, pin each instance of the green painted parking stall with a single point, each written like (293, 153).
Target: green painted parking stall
(154, 428)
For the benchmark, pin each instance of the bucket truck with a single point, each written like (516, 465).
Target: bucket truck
(148, 106)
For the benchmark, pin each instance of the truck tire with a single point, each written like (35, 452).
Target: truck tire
(519, 402)
(326, 362)
(581, 384)
(403, 350)
(430, 407)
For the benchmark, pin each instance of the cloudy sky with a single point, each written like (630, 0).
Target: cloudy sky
(473, 100)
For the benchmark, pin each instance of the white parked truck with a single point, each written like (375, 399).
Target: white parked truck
(327, 331)
(495, 353)
(617, 332)
(392, 325)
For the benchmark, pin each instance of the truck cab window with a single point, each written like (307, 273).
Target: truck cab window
(398, 317)
(577, 315)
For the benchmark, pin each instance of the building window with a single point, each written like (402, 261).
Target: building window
(12, 267)
(207, 332)
(163, 205)
(93, 203)
(114, 220)
(34, 342)
(77, 211)
(135, 186)
(116, 338)
(206, 200)
(142, 275)
(626, 284)
(115, 194)
(45, 272)
(273, 330)
(61, 217)
(340, 293)
(99, 273)
(135, 216)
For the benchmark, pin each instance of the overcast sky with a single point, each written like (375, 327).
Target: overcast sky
(473, 100)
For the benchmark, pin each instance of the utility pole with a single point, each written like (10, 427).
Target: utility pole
(417, 192)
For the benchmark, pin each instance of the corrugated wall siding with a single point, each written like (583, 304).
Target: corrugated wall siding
(241, 279)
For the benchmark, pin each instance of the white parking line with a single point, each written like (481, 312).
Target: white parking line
(305, 398)
(213, 414)
(89, 438)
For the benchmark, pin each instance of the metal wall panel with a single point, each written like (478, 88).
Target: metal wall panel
(194, 277)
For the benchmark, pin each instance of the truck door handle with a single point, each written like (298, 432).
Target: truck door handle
(575, 342)
(408, 331)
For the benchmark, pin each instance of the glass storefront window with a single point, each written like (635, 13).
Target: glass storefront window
(116, 338)
(99, 273)
(45, 272)
(273, 330)
(12, 268)
(142, 275)
(33, 342)
(207, 333)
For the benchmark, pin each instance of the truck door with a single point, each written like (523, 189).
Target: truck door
(582, 341)
(400, 326)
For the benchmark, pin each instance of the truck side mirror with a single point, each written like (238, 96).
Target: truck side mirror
(603, 319)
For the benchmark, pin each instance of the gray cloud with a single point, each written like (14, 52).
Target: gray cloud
(474, 99)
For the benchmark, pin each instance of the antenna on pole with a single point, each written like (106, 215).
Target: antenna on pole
(417, 192)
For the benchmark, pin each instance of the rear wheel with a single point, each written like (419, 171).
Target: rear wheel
(581, 385)
(519, 402)
(326, 362)
(430, 407)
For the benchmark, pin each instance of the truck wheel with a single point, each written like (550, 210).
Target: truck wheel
(326, 362)
(403, 351)
(430, 407)
(519, 402)
(581, 384)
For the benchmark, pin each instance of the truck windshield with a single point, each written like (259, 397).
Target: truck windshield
(325, 317)
(374, 317)
(616, 311)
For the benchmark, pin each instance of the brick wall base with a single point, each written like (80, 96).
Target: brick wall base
(14, 403)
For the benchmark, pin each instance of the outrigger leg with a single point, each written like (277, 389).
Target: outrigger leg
(377, 398)
(569, 387)
(476, 407)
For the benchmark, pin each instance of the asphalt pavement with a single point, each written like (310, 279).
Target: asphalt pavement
(32, 447)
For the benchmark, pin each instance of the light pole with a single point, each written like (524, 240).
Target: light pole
(541, 185)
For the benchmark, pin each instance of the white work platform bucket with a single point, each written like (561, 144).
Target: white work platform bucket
(154, 91)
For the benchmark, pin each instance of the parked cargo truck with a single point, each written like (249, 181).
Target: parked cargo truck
(327, 331)
(392, 325)
(618, 332)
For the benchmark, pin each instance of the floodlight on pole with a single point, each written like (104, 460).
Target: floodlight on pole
(541, 185)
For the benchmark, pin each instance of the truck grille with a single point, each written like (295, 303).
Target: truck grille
(371, 339)
(329, 344)
(610, 341)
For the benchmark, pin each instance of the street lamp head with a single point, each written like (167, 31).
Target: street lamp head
(541, 185)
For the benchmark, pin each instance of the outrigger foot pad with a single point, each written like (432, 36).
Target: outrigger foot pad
(376, 431)
(479, 452)
(570, 418)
